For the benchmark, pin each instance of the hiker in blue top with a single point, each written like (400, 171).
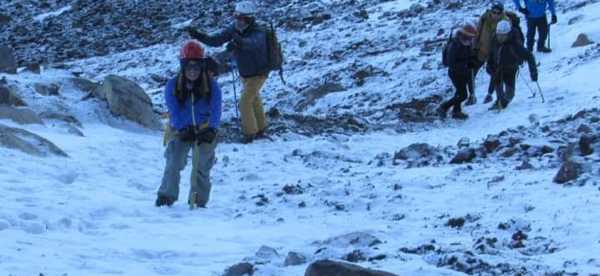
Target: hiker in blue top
(193, 99)
(535, 11)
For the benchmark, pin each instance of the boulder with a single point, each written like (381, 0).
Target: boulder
(331, 268)
(70, 119)
(126, 98)
(417, 155)
(84, 84)
(267, 253)
(9, 97)
(46, 89)
(570, 170)
(294, 258)
(465, 155)
(582, 40)
(241, 269)
(585, 144)
(20, 115)
(27, 142)
(8, 63)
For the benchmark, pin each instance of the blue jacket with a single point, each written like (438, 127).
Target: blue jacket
(537, 8)
(205, 112)
(252, 58)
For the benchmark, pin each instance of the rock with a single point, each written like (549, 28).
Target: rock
(293, 189)
(463, 143)
(464, 156)
(9, 97)
(585, 144)
(27, 142)
(582, 40)
(20, 115)
(8, 63)
(84, 84)
(491, 143)
(419, 154)
(570, 170)
(267, 253)
(311, 95)
(525, 165)
(34, 68)
(49, 115)
(125, 98)
(583, 128)
(4, 19)
(241, 269)
(354, 239)
(46, 89)
(575, 19)
(331, 268)
(355, 256)
(456, 222)
(294, 258)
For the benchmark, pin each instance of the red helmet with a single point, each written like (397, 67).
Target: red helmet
(191, 50)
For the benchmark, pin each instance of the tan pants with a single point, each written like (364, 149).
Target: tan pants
(251, 107)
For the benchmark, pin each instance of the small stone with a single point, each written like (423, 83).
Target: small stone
(294, 258)
(569, 171)
(582, 40)
(464, 156)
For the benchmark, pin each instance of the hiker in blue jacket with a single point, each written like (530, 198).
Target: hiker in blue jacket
(193, 99)
(535, 11)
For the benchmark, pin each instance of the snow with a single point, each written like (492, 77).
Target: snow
(93, 214)
(58, 12)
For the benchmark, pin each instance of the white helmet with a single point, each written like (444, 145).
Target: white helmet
(245, 7)
(503, 27)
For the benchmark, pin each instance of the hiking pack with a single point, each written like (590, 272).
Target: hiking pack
(446, 49)
(515, 21)
(274, 51)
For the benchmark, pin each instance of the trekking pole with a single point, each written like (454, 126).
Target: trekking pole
(549, 36)
(533, 93)
(233, 82)
(540, 89)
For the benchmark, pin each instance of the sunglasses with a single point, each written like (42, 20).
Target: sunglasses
(195, 66)
(240, 17)
(496, 12)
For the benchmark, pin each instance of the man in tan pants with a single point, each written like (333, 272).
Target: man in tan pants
(247, 41)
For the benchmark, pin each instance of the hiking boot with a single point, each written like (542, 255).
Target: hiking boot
(472, 100)
(544, 50)
(193, 201)
(442, 112)
(488, 98)
(496, 106)
(247, 139)
(459, 116)
(164, 200)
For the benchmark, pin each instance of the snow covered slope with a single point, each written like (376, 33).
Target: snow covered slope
(362, 196)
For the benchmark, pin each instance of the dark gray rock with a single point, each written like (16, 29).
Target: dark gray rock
(491, 143)
(354, 239)
(465, 155)
(9, 97)
(8, 63)
(20, 115)
(294, 258)
(417, 155)
(335, 268)
(49, 115)
(126, 98)
(241, 269)
(570, 170)
(582, 40)
(585, 144)
(47, 89)
(267, 253)
(27, 142)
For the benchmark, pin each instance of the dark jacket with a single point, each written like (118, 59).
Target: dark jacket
(251, 57)
(509, 56)
(205, 111)
(461, 58)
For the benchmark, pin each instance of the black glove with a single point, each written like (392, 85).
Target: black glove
(207, 136)
(187, 134)
(524, 11)
(534, 75)
(554, 19)
(194, 33)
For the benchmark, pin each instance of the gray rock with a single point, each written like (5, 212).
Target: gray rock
(294, 258)
(585, 144)
(8, 63)
(570, 170)
(241, 269)
(84, 84)
(463, 142)
(9, 97)
(418, 154)
(582, 40)
(125, 98)
(27, 142)
(465, 155)
(20, 115)
(34, 68)
(335, 268)
(355, 239)
(267, 253)
(46, 89)
(491, 143)
(49, 115)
